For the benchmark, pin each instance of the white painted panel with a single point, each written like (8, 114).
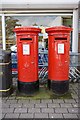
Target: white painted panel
(61, 48)
(40, 1)
(26, 49)
(75, 31)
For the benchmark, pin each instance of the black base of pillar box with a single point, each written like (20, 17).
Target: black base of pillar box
(58, 87)
(28, 87)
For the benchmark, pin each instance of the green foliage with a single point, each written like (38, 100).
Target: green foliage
(35, 24)
(10, 25)
(67, 22)
(40, 38)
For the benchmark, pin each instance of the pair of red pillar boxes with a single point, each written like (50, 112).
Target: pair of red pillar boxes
(58, 59)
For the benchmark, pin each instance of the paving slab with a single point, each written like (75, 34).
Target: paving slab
(73, 110)
(41, 105)
(55, 115)
(20, 110)
(28, 105)
(4, 105)
(35, 101)
(69, 101)
(33, 110)
(54, 105)
(70, 115)
(75, 105)
(17, 105)
(41, 115)
(11, 98)
(66, 105)
(23, 101)
(47, 110)
(11, 101)
(46, 101)
(61, 110)
(12, 115)
(2, 115)
(7, 110)
(58, 101)
(27, 115)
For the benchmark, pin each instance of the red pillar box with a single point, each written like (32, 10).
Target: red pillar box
(58, 58)
(27, 50)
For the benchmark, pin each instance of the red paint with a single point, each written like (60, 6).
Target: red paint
(27, 60)
(58, 63)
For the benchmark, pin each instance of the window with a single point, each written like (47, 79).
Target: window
(40, 21)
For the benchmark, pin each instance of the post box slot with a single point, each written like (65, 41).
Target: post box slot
(60, 38)
(25, 38)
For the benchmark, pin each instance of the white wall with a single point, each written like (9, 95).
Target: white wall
(41, 1)
(75, 31)
(39, 4)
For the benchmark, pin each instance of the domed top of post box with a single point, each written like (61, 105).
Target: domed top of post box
(27, 29)
(58, 29)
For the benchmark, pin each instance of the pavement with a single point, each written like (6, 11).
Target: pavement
(41, 108)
